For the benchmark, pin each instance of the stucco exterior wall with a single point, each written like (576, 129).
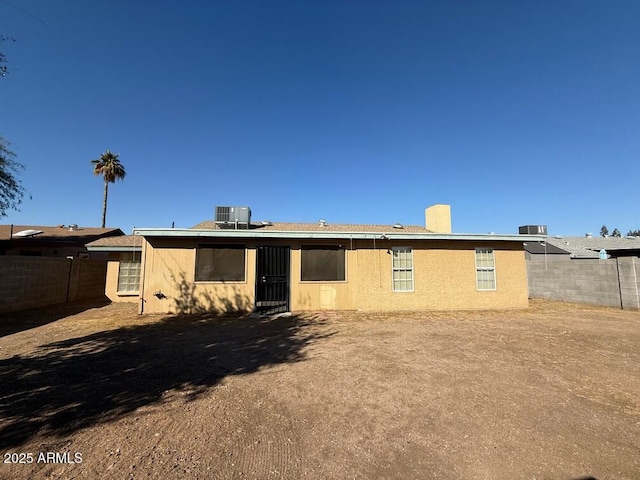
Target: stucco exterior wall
(169, 271)
(444, 278)
(113, 269)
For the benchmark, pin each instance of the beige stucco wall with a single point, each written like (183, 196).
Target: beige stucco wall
(444, 278)
(113, 269)
(169, 268)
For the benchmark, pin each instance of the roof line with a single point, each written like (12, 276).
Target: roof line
(391, 235)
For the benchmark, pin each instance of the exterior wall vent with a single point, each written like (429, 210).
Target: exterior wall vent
(233, 217)
(532, 230)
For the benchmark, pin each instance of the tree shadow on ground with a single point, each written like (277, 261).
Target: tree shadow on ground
(68, 385)
(14, 322)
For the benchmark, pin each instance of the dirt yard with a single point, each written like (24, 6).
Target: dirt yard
(552, 392)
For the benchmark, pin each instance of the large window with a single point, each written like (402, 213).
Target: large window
(129, 273)
(485, 269)
(220, 263)
(322, 264)
(402, 269)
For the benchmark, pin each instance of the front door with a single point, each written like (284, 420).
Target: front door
(272, 279)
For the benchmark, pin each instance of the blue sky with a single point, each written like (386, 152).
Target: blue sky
(512, 112)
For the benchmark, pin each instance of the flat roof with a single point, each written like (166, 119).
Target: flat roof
(328, 233)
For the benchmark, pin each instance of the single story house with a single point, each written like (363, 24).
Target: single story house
(226, 265)
(51, 241)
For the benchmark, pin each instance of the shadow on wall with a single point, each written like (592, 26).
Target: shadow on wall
(304, 301)
(80, 382)
(191, 301)
(15, 322)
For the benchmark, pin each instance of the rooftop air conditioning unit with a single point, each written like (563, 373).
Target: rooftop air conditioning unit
(233, 217)
(533, 230)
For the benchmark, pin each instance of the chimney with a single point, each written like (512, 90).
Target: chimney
(438, 218)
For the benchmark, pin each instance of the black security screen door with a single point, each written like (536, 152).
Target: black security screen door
(272, 280)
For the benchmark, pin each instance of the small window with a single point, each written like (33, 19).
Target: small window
(402, 269)
(322, 264)
(129, 273)
(220, 263)
(485, 269)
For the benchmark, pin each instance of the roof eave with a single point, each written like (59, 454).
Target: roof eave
(391, 235)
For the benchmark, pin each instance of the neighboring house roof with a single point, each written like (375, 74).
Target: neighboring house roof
(589, 247)
(124, 243)
(53, 233)
(541, 248)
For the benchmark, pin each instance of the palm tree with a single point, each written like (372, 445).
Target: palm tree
(109, 166)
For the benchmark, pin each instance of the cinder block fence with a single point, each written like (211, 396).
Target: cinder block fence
(28, 282)
(613, 282)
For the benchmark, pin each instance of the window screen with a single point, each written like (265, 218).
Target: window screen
(402, 266)
(485, 269)
(220, 263)
(322, 263)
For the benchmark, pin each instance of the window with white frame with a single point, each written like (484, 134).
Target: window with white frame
(402, 269)
(129, 273)
(485, 269)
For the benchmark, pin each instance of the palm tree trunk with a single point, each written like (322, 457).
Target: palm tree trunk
(104, 203)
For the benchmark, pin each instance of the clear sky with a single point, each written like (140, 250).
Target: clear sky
(513, 112)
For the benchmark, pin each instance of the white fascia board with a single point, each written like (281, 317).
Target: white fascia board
(191, 232)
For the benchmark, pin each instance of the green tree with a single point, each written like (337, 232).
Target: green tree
(604, 231)
(109, 166)
(634, 233)
(11, 190)
(616, 233)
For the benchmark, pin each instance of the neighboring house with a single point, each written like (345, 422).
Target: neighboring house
(276, 267)
(589, 246)
(123, 266)
(589, 269)
(50, 241)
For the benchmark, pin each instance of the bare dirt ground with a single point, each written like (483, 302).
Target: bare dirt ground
(551, 392)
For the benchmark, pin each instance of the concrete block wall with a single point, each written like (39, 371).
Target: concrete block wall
(612, 282)
(29, 282)
(628, 269)
(87, 279)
